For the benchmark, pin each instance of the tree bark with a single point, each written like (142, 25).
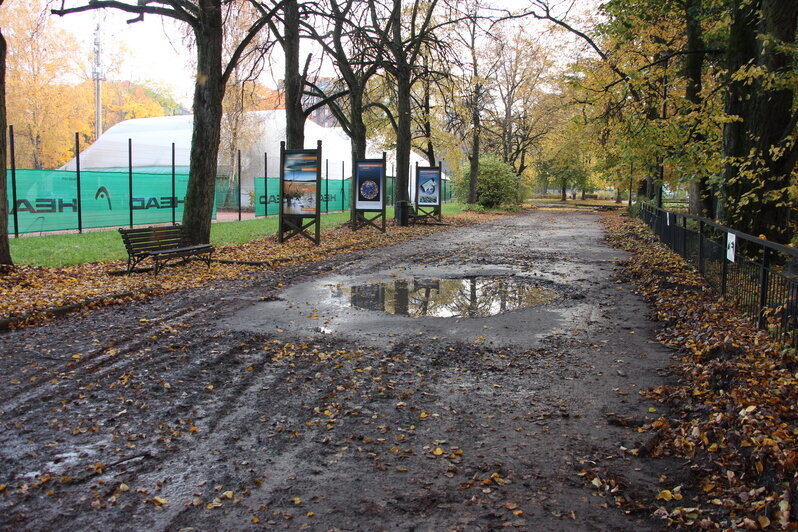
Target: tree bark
(473, 158)
(357, 128)
(294, 80)
(403, 132)
(700, 197)
(755, 178)
(5, 250)
(208, 95)
(403, 73)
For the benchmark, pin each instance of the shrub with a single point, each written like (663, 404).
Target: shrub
(497, 183)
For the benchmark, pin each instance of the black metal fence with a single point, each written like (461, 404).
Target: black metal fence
(760, 277)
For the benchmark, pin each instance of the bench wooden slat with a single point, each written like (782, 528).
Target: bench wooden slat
(161, 244)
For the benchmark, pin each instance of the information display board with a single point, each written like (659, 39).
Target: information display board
(427, 195)
(369, 193)
(370, 184)
(300, 193)
(428, 183)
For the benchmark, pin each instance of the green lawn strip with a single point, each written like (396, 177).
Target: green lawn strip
(70, 249)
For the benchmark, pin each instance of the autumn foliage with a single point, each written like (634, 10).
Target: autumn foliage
(734, 417)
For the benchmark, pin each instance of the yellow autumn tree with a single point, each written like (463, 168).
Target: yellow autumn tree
(44, 108)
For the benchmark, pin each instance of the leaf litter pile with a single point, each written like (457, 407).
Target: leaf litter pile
(31, 294)
(735, 411)
(105, 418)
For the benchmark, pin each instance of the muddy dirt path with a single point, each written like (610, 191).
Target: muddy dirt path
(274, 404)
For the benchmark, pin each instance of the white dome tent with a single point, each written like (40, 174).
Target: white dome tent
(152, 138)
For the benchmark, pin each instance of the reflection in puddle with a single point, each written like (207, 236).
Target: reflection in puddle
(468, 297)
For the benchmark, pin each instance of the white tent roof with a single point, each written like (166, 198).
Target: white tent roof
(152, 138)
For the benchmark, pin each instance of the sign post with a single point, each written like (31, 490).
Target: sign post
(368, 189)
(428, 194)
(300, 194)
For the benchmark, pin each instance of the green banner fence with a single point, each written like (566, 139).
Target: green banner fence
(47, 200)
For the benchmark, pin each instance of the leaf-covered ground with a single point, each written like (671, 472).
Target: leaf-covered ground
(734, 413)
(175, 412)
(27, 293)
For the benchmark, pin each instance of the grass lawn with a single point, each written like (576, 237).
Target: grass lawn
(69, 249)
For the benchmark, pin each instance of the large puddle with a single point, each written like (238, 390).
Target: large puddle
(467, 297)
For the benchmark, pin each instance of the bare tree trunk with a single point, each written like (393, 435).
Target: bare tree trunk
(294, 82)
(700, 196)
(208, 94)
(403, 74)
(357, 128)
(404, 125)
(473, 158)
(430, 149)
(5, 251)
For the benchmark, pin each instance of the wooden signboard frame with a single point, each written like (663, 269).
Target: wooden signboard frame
(427, 211)
(366, 211)
(306, 222)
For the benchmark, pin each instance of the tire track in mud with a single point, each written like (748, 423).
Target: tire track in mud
(317, 432)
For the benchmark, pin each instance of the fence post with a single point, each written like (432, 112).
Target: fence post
(701, 247)
(724, 270)
(174, 194)
(77, 182)
(13, 180)
(684, 237)
(631, 177)
(239, 185)
(265, 185)
(130, 178)
(764, 278)
(327, 186)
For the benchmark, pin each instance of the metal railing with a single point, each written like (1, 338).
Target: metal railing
(758, 276)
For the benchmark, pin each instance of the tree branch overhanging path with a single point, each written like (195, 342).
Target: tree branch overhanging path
(205, 18)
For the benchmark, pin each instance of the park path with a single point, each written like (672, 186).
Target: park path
(269, 404)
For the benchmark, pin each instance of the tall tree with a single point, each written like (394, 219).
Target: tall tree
(205, 18)
(474, 75)
(521, 113)
(5, 250)
(43, 105)
(409, 33)
(758, 144)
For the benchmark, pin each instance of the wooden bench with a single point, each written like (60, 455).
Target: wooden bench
(161, 244)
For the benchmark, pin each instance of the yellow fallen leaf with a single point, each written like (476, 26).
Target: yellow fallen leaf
(124, 487)
(228, 494)
(438, 451)
(159, 501)
(297, 500)
(423, 415)
(254, 520)
(665, 495)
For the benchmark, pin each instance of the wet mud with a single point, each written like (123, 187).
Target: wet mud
(269, 404)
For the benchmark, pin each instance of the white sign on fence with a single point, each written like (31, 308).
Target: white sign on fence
(731, 245)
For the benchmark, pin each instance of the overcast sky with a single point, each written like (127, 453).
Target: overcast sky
(156, 51)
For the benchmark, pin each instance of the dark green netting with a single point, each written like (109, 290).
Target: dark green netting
(47, 200)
